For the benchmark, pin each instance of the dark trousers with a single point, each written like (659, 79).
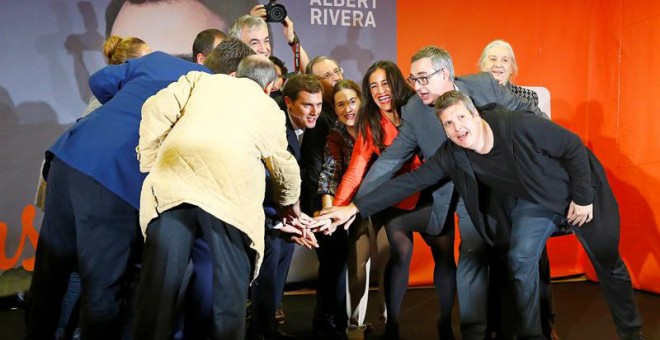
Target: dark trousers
(332, 254)
(167, 252)
(533, 224)
(600, 240)
(198, 304)
(87, 227)
(485, 293)
(267, 289)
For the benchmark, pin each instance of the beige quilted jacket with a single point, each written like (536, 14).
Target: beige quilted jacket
(204, 141)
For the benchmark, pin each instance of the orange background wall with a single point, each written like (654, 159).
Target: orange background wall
(600, 59)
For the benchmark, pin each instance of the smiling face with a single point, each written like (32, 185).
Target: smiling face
(347, 104)
(499, 63)
(380, 90)
(438, 83)
(328, 73)
(462, 127)
(257, 39)
(306, 109)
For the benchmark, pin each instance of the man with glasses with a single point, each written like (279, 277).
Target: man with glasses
(431, 75)
(327, 71)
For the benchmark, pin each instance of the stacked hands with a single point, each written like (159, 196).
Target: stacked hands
(301, 228)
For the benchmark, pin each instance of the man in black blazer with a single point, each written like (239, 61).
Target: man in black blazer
(432, 74)
(535, 175)
(301, 102)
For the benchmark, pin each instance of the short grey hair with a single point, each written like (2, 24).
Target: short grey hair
(440, 59)
(257, 68)
(507, 46)
(451, 98)
(316, 60)
(248, 22)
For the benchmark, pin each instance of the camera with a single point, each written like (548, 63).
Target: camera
(275, 12)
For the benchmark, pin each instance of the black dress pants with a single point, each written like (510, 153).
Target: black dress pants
(167, 252)
(269, 285)
(87, 227)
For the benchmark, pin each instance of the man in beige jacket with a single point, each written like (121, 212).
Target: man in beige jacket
(205, 140)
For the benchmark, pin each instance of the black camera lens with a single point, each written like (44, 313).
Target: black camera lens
(275, 12)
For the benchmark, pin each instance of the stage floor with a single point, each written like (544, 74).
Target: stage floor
(581, 314)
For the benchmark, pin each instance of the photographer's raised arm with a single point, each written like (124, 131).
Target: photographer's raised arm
(292, 39)
(261, 11)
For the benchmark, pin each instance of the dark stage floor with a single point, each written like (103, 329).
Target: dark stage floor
(581, 315)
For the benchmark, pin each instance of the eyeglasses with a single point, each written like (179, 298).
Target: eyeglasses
(338, 71)
(422, 80)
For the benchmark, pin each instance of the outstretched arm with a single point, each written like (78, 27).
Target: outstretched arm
(393, 191)
(391, 159)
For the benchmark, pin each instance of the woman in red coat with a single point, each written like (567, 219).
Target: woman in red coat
(378, 124)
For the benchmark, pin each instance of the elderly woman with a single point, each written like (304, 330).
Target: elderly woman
(499, 60)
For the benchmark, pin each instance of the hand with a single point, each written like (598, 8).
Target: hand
(291, 215)
(289, 33)
(258, 11)
(323, 225)
(308, 241)
(301, 226)
(580, 214)
(340, 215)
(289, 229)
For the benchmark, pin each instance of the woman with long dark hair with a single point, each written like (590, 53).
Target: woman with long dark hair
(378, 124)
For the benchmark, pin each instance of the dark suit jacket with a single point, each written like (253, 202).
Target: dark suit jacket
(421, 131)
(309, 155)
(551, 162)
(270, 207)
(311, 161)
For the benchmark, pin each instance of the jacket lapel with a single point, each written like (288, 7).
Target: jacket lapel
(294, 146)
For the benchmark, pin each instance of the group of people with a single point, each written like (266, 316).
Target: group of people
(180, 197)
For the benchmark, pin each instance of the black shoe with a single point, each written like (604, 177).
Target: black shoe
(327, 330)
(280, 318)
(632, 336)
(279, 335)
(391, 332)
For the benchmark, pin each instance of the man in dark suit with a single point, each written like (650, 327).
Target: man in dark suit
(432, 74)
(552, 179)
(278, 252)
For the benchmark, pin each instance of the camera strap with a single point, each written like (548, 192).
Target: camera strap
(296, 56)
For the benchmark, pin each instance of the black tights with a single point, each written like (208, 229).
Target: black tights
(399, 226)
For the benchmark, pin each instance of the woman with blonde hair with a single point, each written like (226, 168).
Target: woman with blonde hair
(118, 50)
